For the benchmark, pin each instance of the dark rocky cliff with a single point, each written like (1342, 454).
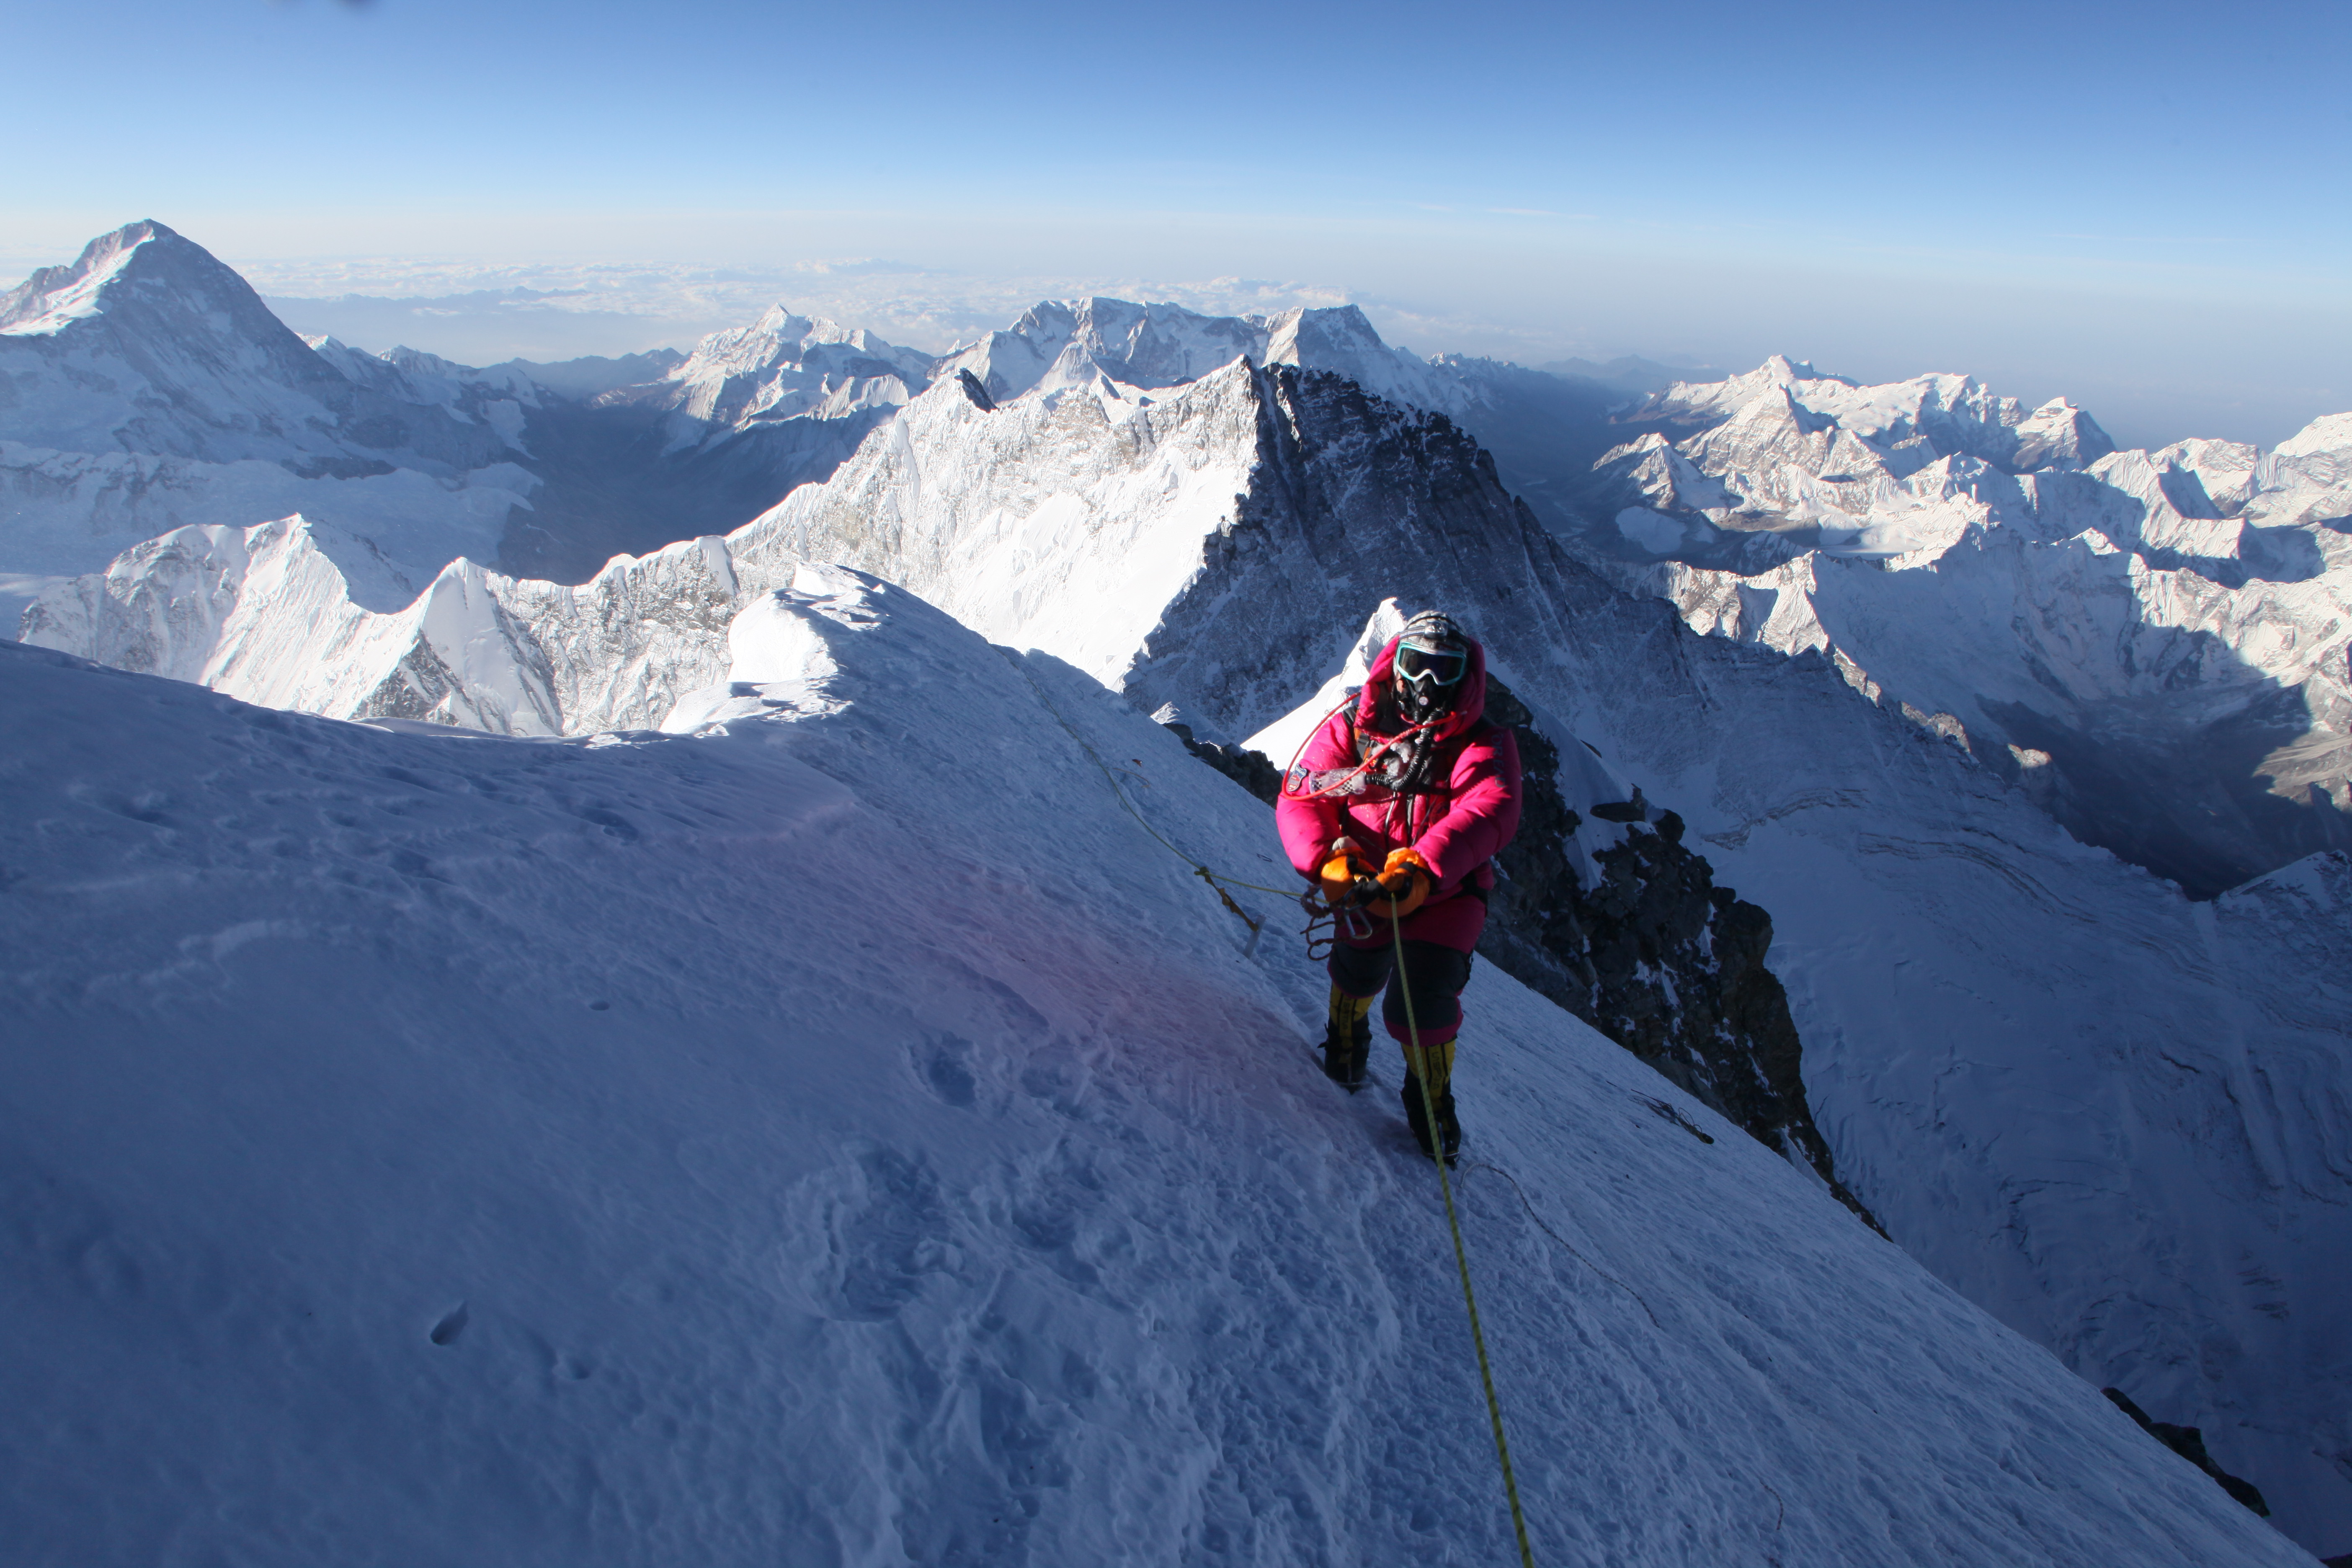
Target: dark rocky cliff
(1656, 956)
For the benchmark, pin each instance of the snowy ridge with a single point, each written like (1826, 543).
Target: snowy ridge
(949, 495)
(280, 615)
(1904, 425)
(217, 416)
(1081, 571)
(1141, 345)
(55, 296)
(435, 1140)
(1957, 965)
(497, 397)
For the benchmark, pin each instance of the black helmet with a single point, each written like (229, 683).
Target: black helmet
(1432, 656)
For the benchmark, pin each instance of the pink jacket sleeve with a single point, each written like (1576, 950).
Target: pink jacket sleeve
(1485, 814)
(1307, 827)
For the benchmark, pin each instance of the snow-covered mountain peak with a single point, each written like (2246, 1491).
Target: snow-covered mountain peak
(783, 366)
(1340, 340)
(780, 340)
(1704, 402)
(2170, 625)
(146, 387)
(1076, 370)
(148, 344)
(776, 338)
(161, 301)
(2321, 452)
(305, 615)
(55, 296)
(1141, 345)
(2228, 472)
(2059, 434)
(1905, 424)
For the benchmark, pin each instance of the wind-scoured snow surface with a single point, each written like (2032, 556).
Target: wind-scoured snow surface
(763, 1144)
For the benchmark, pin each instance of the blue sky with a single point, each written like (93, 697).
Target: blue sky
(2142, 206)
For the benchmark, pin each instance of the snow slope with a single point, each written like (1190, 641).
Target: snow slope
(772, 1143)
(1957, 965)
(2156, 642)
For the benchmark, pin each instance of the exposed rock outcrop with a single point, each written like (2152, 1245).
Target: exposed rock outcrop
(1253, 771)
(1656, 956)
(2189, 1442)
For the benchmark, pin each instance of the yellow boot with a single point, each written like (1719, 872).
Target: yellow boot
(1432, 1065)
(1347, 1040)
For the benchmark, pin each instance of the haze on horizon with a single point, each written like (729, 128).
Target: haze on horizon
(2139, 208)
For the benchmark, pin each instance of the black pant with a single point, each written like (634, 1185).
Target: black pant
(1436, 975)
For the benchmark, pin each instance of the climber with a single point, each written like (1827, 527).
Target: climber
(1395, 809)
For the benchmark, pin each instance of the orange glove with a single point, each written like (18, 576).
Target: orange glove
(1341, 874)
(1405, 882)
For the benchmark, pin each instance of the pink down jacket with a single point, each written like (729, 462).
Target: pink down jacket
(1457, 828)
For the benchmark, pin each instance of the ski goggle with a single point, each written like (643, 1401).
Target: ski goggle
(1432, 666)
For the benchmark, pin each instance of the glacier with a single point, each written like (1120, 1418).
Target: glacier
(758, 1144)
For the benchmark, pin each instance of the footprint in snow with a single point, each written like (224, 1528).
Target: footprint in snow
(887, 1238)
(943, 1064)
(453, 1324)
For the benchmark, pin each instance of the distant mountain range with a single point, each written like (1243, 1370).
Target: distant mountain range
(2154, 645)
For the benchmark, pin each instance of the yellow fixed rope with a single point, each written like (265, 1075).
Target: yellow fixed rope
(1461, 1256)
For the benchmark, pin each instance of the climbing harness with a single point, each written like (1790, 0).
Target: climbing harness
(1462, 1257)
(1326, 923)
